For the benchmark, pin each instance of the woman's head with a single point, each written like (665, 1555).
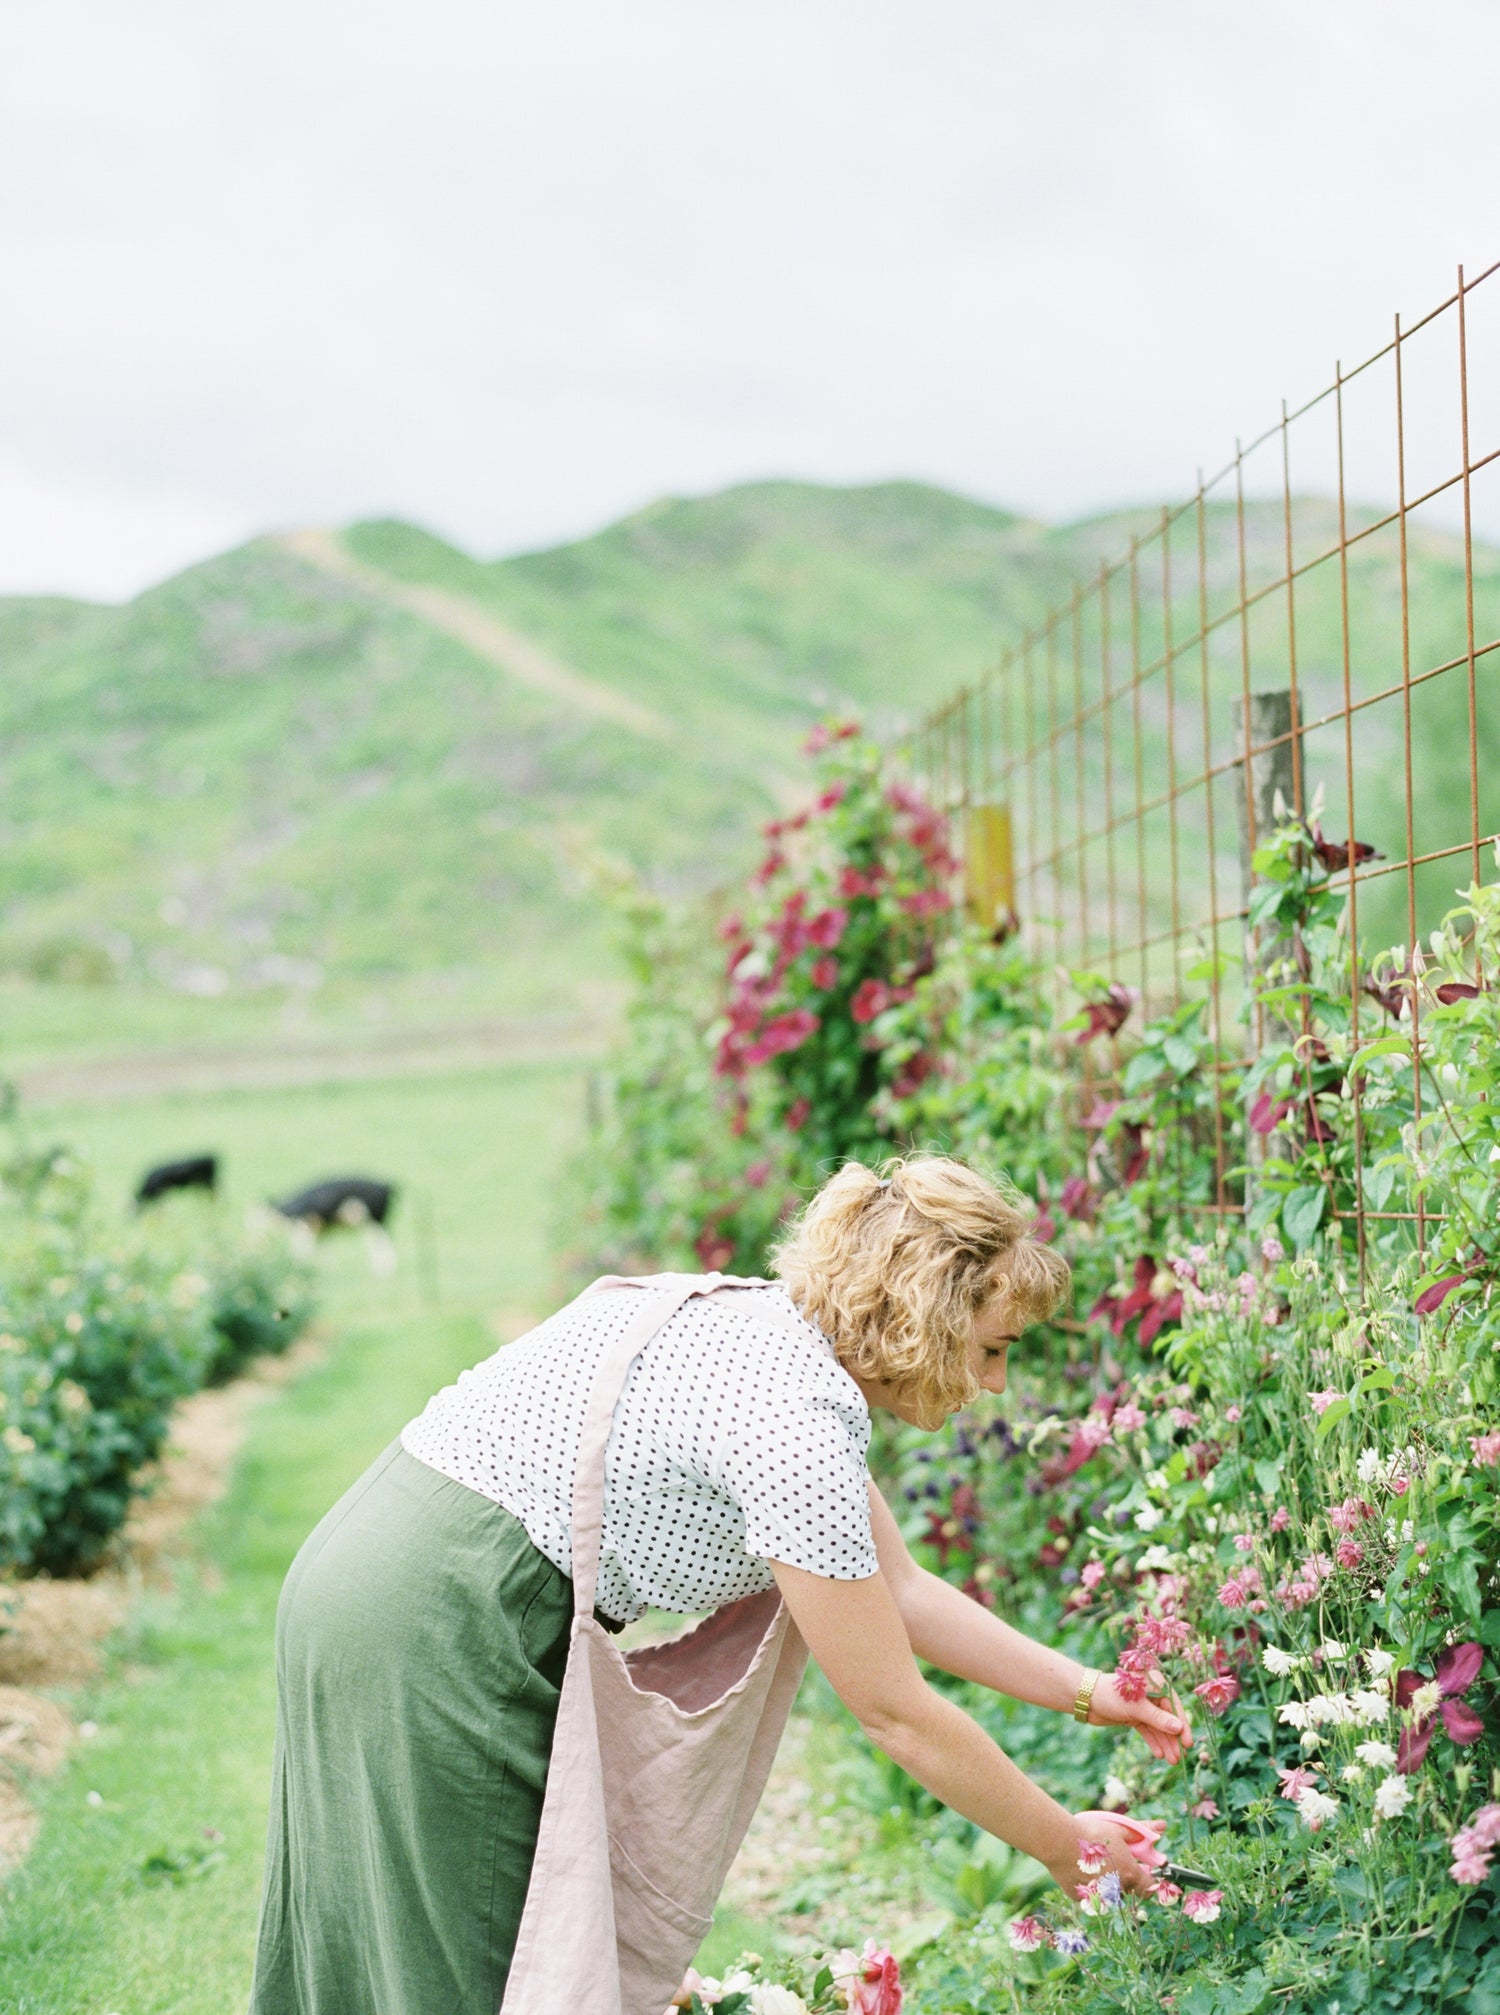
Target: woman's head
(914, 1277)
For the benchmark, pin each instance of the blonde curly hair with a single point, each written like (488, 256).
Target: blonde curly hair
(893, 1268)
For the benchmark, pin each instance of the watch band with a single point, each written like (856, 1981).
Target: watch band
(1085, 1699)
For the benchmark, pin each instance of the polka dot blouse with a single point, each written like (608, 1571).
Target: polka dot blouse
(738, 1439)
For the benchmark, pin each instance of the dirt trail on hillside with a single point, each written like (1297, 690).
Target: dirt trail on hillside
(287, 1065)
(478, 630)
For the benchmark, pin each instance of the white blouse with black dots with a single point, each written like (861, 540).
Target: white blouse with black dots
(738, 1439)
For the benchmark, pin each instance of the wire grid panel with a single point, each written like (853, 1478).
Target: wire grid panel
(1349, 560)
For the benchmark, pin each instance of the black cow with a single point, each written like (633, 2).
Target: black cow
(340, 1199)
(199, 1171)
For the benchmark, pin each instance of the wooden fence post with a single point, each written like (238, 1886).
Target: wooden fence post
(1269, 735)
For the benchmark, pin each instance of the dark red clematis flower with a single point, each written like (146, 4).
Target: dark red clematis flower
(1134, 1154)
(1044, 1230)
(1431, 1299)
(1107, 1016)
(1457, 1670)
(1337, 854)
(1267, 1113)
(1456, 990)
(797, 1115)
(1077, 1200)
(714, 1250)
(1392, 996)
(1159, 1314)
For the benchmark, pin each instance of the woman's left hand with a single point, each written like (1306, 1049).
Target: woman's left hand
(1160, 1719)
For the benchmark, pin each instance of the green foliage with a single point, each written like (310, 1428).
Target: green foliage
(99, 1340)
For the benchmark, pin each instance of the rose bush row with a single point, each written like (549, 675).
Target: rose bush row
(100, 1336)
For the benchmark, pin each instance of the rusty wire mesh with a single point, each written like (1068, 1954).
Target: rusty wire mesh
(1339, 578)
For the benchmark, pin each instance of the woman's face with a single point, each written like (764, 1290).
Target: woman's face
(995, 1330)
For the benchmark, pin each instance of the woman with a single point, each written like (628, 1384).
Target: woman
(675, 1444)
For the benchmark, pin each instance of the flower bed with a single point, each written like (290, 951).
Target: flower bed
(1265, 1457)
(99, 1338)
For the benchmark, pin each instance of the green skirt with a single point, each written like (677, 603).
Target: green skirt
(420, 1646)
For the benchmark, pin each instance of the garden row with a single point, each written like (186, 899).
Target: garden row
(1264, 1451)
(102, 1331)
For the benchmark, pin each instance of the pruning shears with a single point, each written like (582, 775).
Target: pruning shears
(1141, 1837)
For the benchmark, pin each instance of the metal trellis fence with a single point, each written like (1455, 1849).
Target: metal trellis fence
(1320, 622)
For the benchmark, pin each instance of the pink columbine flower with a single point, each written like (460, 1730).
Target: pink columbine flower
(1348, 1553)
(1026, 1934)
(1470, 1867)
(1233, 1415)
(1486, 1449)
(1202, 1905)
(1234, 1594)
(1167, 1894)
(1321, 1401)
(1294, 1782)
(1272, 1250)
(1093, 1857)
(1281, 1518)
(1092, 1574)
(1244, 1542)
(1128, 1418)
(1093, 1431)
(1485, 1826)
(1217, 1693)
(1204, 1809)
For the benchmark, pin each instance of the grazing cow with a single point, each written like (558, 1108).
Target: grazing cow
(199, 1171)
(339, 1199)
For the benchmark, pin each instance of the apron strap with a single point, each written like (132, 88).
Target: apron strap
(659, 1304)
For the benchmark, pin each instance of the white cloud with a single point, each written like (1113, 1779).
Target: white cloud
(512, 268)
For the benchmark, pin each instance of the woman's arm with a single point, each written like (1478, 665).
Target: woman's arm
(854, 1631)
(958, 1636)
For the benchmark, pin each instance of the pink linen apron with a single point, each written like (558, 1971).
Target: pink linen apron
(659, 1758)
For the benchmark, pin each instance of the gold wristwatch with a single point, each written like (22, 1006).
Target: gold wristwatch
(1085, 1698)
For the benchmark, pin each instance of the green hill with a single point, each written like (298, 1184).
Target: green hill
(365, 761)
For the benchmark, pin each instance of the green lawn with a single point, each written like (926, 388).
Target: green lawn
(185, 1718)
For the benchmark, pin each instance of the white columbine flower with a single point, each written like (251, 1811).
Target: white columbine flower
(1352, 1772)
(1369, 1465)
(1116, 1792)
(1372, 1708)
(1310, 1740)
(1316, 1807)
(1277, 1662)
(1155, 1560)
(1329, 1710)
(1379, 1663)
(1392, 1797)
(1379, 1755)
(738, 1982)
(1156, 1479)
(1294, 1714)
(1331, 1650)
(1148, 1518)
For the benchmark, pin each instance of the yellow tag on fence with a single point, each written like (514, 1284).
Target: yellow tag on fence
(989, 866)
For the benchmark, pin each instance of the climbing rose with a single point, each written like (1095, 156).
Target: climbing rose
(877, 1991)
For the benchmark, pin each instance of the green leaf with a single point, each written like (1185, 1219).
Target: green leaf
(1268, 1476)
(1180, 1055)
(1388, 1045)
(1376, 1185)
(1376, 1381)
(822, 1981)
(1145, 1065)
(1332, 1415)
(1302, 1213)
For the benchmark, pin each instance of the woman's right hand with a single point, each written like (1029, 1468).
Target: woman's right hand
(1134, 1879)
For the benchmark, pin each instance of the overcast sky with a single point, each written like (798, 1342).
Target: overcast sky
(512, 270)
